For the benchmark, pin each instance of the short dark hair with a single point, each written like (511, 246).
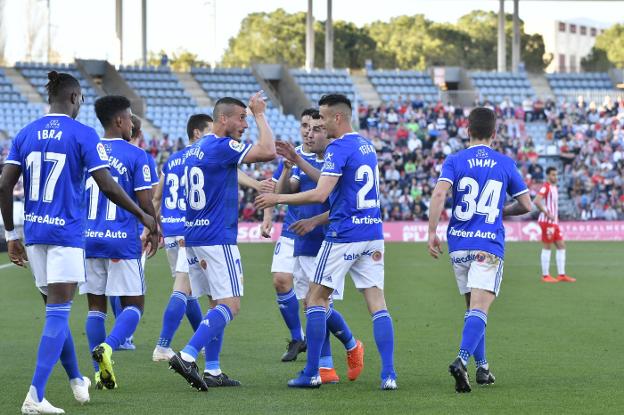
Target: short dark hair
(197, 121)
(106, 108)
(549, 169)
(308, 111)
(335, 99)
(136, 126)
(315, 115)
(59, 85)
(218, 110)
(481, 123)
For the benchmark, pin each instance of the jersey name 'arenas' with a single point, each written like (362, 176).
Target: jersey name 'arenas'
(354, 214)
(212, 190)
(55, 153)
(480, 178)
(292, 212)
(113, 232)
(173, 205)
(310, 243)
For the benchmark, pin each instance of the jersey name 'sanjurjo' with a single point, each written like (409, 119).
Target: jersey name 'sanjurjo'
(55, 154)
(310, 243)
(113, 232)
(354, 215)
(212, 190)
(292, 212)
(481, 178)
(173, 206)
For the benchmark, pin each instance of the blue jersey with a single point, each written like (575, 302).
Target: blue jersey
(481, 178)
(113, 232)
(212, 190)
(153, 170)
(55, 153)
(310, 243)
(292, 212)
(354, 214)
(173, 205)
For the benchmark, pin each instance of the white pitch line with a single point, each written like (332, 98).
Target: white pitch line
(6, 266)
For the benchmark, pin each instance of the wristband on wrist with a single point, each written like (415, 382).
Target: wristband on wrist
(11, 235)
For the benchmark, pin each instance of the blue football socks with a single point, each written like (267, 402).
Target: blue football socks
(172, 316)
(315, 336)
(115, 303)
(289, 307)
(193, 312)
(95, 327)
(473, 333)
(213, 324)
(326, 361)
(479, 353)
(53, 338)
(339, 328)
(125, 325)
(384, 339)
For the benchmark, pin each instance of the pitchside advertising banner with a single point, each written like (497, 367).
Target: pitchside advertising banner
(514, 231)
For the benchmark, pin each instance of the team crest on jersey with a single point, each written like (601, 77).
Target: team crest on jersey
(102, 152)
(377, 255)
(482, 154)
(147, 176)
(53, 124)
(237, 146)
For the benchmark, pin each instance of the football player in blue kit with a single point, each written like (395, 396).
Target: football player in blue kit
(55, 154)
(113, 244)
(289, 292)
(170, 206)
(211, 227)
(305, 176)
(354, 240)
(480, 179)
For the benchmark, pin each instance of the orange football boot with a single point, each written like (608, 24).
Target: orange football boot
(329, 375)
(565, 278)
(355, 360)
(548, 278)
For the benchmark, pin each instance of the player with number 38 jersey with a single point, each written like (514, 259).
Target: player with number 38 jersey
(173, 207)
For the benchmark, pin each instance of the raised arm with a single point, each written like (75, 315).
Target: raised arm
(264, 149)
(287, 150)
(319, 194)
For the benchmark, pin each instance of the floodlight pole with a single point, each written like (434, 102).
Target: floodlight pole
(119, 28)
(501, 37)
(144, 31)
(515, 46)
(329, 38)
(309, 62)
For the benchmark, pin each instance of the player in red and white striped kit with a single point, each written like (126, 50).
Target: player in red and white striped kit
(547, 201)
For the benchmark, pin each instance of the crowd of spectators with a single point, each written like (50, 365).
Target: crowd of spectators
(412, 139)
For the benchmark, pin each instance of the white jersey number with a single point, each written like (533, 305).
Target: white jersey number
(174, 182)
(365, 174)
(487, 203)
(196, 195)
(94, 197)
(33, 163)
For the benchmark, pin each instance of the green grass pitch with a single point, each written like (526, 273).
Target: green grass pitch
(555, 348)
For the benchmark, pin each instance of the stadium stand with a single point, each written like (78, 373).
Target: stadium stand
(318, 82)
(496, 86)
(565, 84)
(168, 104)
(392, 85)
(36, 73)
(240, 83)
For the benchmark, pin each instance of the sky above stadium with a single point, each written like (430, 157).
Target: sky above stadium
(86, 28)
